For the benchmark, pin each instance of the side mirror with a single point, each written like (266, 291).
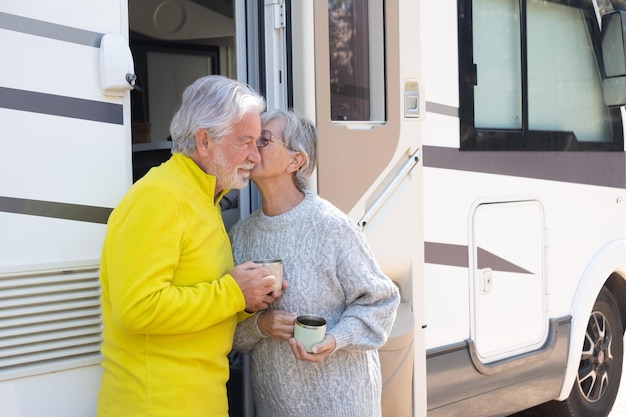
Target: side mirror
(614, 58)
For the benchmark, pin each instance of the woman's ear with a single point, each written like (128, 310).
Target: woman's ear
(297, 160)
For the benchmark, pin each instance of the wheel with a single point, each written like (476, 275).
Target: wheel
(600, 368)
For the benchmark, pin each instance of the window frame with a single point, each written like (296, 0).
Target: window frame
(524, 139)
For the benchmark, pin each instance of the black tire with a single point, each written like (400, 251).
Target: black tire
(600, 368)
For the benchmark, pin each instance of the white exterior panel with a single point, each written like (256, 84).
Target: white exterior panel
(66, 164)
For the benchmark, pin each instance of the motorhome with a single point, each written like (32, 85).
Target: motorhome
(479, 144)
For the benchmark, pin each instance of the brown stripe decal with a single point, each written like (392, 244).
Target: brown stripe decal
(457, 255)
(55, 210)
(593, 168)
(49, 30)
(56, 105)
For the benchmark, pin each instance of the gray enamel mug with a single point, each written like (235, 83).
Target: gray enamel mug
(310, 330)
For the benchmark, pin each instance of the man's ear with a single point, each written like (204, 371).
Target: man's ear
(297, 160)
(202, 141)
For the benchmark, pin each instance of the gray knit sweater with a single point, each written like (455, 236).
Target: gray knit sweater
(331, 272)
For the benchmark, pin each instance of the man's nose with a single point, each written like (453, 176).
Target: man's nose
(254, 155)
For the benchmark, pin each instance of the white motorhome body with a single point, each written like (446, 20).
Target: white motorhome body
(67, 161)
(479, 144)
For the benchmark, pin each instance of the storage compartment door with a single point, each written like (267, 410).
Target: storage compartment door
(507, 274)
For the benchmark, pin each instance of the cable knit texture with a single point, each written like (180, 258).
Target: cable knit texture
(332, 273)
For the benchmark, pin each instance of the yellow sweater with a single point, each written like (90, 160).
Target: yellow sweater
(169, 305)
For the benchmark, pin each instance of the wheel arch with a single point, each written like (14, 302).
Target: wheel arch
(617, 285)
(606, 268)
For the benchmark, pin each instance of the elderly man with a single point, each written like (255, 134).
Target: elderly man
(171, 295)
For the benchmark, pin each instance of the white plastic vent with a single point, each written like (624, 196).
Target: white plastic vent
(49, 318)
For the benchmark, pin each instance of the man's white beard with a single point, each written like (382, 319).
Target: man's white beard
(227, 179)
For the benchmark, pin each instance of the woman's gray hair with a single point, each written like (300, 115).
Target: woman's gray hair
(300, 135)
(214, 103)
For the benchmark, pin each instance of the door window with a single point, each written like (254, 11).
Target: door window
(356, 60)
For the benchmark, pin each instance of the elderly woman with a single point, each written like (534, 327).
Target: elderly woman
(329, 271)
